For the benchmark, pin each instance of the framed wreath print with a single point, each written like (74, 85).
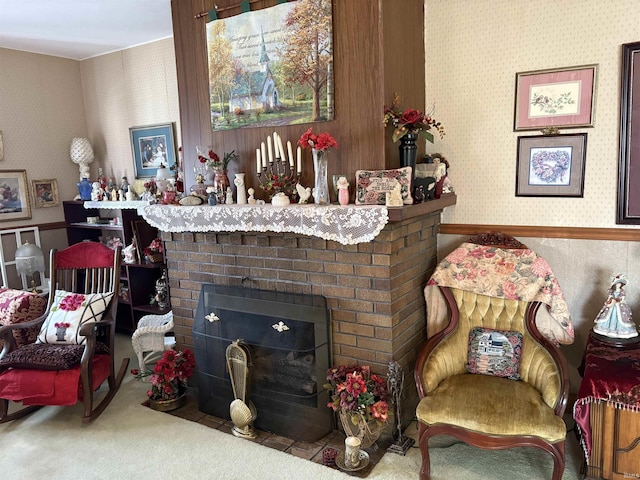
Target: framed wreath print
(152, 146)
(14, 196)
(561, 98)
(45, 193)
(551, 166)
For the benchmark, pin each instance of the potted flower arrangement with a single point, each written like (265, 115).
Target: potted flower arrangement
(319, 144)
(410, 121)
(360, 399)
(153, 253)
(212, 161)
(169, 379)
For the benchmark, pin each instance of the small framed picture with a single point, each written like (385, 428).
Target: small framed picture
(45, 193)
(14, 196)
(152, 146)
(561, 98)
(551, 166)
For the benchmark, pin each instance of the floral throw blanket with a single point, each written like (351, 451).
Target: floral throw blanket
(517, 274)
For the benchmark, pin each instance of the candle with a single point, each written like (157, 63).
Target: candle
(270, 149)
(281, 148)
(299, 155)
(352, 452)
(263, 151)
(258, 162)
(290, 152)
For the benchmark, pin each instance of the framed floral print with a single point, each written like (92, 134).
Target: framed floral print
(14, 196)
(551, 165)
(560, 98)
(45, 193)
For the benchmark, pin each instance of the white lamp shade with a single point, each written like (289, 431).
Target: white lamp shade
(29, 259)
(81, 150)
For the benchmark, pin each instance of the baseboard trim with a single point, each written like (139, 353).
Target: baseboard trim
(578, 233)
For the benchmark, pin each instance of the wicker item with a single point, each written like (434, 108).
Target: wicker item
(367, 432)
(154, 257)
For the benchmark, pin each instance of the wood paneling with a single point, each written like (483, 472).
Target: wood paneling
(378, 50)
(578, 233)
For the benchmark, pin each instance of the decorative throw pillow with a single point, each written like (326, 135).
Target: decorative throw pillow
(68, 313)
(494, 352)
(43, 356)
(372, 186)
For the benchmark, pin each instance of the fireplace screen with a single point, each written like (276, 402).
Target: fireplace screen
(287, 336)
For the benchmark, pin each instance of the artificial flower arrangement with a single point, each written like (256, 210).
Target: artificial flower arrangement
(212, 160)
(410, 121)
(170, 374)
(320, 142)
(358, 393)
(154, 251)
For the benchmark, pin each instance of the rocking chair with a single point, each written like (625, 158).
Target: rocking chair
(74, 352)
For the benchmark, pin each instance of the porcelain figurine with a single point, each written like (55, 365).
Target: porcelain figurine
(614, 318)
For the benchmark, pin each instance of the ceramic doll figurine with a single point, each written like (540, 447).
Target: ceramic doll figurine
(251, 200)
(614, 318)
(343, 191)
(96, 192)
(229, 196)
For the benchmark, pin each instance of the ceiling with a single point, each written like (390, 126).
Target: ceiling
(80, 29)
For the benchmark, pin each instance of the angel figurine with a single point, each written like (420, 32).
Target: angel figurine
(614, 318)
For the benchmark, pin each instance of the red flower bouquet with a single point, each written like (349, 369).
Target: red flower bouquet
(410, 121)
(319, 142)
(170, 374)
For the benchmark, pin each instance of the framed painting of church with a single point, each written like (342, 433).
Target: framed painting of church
(271, 67)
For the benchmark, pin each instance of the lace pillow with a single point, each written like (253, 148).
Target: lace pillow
(67, 315)
(494, 352)
(373, 185)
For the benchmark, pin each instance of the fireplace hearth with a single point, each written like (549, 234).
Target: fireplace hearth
(287, 336)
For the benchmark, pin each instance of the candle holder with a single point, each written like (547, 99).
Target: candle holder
(279, 177)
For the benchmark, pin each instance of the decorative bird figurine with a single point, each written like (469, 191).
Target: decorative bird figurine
(304, 193)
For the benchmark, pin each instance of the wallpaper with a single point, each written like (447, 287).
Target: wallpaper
(474, 49)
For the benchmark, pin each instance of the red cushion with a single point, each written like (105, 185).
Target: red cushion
(85, 255)
(45, 387)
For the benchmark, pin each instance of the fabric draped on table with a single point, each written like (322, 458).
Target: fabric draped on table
(517, 274)
(612, 376)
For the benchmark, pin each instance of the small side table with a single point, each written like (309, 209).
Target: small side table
(607, 410)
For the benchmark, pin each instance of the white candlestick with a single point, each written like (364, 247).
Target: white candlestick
(290, 152)
(263, 150)
(258, 162)
(270, 149)
(281, 148)
(299, 157)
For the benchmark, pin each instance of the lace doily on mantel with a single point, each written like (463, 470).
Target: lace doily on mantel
(347, 225)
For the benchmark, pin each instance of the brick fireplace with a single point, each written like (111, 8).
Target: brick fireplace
(374, 290)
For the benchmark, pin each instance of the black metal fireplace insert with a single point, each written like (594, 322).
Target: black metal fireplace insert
(289, 343)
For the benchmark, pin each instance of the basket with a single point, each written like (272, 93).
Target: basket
(153, 257)
(367, 432)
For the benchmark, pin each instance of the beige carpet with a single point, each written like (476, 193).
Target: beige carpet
(130, 441)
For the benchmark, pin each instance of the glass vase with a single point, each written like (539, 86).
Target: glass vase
(321, 190)
(221, 183)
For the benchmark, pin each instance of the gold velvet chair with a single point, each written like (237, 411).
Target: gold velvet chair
(486, 411)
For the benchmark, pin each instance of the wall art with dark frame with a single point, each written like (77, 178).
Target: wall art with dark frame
(628, 211)
(45, 193)
(551, 165)
(152, 146)
(14, 195)
(558, 97)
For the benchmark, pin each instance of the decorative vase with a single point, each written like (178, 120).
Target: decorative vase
(367, 432)
(168, 405)
(241, 192)
(221, 183)
(84, 188)
(212, 200)
(321, 190)
(408, 152)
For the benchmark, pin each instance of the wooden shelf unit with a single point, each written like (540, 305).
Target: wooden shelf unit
(137, 280)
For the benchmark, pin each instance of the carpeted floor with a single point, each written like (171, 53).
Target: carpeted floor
(130, 441)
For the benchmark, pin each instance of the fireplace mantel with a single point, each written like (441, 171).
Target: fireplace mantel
(347, 225)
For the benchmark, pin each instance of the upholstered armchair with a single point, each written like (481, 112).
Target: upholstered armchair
(490, 378)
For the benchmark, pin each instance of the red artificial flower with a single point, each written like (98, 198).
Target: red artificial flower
(380, 411)
(320, 142)
(355, 384)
